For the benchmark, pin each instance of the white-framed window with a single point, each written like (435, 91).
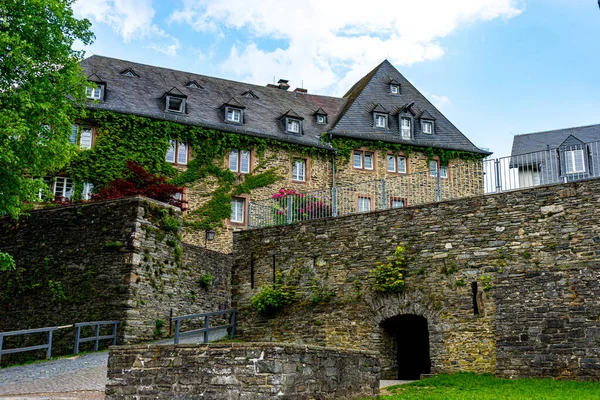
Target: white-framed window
(293, 125)
(405, 128)
(239, 161)
(299, 170)
(175, 104)
(63, 187)
(574, 161)
(84, 134)
(427, 127)
(87, 191)
(321, 119)
(94, 93)
(394, 89)
(177, 153)
(363, 203)
(363, 159)
(396, 202)
(380, 121)
(396, 163)
(237, 210)
(234, 115)
(434, 166)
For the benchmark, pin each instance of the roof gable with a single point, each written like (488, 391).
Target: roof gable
(356, 121)
(541, 141)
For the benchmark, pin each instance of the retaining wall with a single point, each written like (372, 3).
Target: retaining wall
(240, 371)
(508, 283)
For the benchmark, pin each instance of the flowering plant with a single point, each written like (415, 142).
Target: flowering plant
(296, 206)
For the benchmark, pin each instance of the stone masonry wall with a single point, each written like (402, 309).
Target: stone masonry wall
(528, 260)
(114, 260)
(240, 371)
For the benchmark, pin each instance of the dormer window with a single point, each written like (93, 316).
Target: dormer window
(175, 104)
(381, 121)
(249, 94)
(427, 127)
(233, 115)
(321, 116)
(406, 128)
(193, 85)
(394, 87)
(95, 93)
(293, 125)
(129, 72)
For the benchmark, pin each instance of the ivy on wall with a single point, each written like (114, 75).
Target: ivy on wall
(345, 146)
(123, 137)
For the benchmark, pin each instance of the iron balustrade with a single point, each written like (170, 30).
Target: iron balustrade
(96, 338)
(206, 328)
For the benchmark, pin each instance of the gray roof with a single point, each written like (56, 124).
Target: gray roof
(356, 120)
(540, 141)
(348, 116)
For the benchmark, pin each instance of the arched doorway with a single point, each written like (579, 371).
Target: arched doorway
(411, 339)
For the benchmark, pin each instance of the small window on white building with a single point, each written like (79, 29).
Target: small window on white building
(574, 161)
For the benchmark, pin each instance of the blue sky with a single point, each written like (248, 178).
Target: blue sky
(495, 68)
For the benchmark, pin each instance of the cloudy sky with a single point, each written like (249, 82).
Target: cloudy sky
(495, 68)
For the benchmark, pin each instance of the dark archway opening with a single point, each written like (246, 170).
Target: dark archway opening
(411, 338)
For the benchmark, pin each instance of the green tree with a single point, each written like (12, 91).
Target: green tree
(41, 83)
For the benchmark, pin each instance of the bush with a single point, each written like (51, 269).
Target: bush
(272, 298)
(389, 277)
(206, 280)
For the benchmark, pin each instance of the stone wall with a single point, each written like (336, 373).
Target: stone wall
(115, 260)
(240, 371)
(508, 283)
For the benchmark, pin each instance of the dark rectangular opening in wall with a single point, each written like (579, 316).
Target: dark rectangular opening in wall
(252, 271)
(274, 268)
(474, 293)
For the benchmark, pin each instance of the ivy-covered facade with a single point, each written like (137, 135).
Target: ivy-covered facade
(230, 142)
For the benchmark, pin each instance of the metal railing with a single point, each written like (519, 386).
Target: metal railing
(96, 338)
(50, 331)
(566, 163)
(47, 345)
(206, 328)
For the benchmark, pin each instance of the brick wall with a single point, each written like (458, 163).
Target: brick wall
(528, 260)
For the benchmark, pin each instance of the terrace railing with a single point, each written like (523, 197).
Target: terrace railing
(567, 163)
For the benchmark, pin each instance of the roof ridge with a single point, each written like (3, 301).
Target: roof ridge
(206, 76)
(557, 130)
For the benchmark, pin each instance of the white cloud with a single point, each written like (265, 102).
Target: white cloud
(130, 19)
(439, 101)
(332, 43)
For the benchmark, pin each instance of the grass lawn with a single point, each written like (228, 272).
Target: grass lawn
(468, 386)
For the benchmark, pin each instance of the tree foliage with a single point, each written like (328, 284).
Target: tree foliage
(41, 82)
(137, 181)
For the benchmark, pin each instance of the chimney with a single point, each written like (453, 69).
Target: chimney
(283, 84)
(300, 90)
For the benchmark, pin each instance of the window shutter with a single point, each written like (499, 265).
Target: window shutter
(73, 136)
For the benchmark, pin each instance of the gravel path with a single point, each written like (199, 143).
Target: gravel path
(78, 377)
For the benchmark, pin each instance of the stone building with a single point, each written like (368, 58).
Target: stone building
(197, 129)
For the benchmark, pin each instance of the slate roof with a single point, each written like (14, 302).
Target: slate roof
(347, 116)
(540, 141)
(356, 120)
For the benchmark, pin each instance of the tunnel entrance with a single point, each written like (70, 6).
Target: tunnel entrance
(411, 340)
